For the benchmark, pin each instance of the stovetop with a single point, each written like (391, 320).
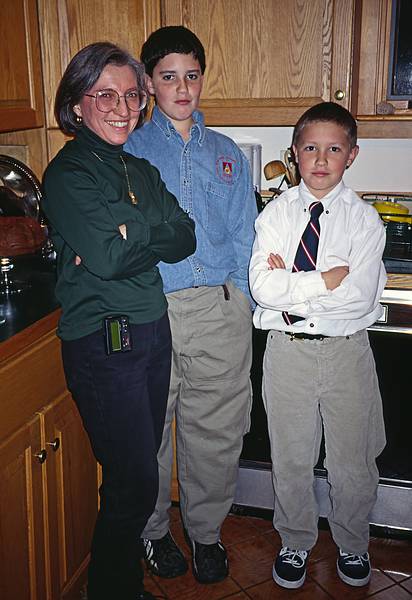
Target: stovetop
(397, 265)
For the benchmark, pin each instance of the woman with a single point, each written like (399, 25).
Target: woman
(112, 221)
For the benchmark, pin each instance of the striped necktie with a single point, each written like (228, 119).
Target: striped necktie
(307, 252)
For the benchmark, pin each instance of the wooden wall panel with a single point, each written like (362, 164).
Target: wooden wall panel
(69, 25)
(34, 143)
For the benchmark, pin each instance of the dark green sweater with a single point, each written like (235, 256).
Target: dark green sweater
(85, 200)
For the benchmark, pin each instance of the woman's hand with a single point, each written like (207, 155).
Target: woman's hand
(123, 232)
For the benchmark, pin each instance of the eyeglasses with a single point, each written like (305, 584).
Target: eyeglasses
(107, 100)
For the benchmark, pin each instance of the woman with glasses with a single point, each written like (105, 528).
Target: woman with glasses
(112, 221)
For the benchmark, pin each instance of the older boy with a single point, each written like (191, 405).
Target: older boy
(209, 307)
(317, 276)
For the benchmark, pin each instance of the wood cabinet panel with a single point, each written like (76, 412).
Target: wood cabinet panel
(370, 74)
(21, 98)
(34, 143)
(47, 509)
(22, 551)
(71, 492)
(268, 61)
(69, 25)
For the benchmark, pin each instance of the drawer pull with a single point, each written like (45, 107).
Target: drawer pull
(41, 456)
(339, 95)
(55, 444)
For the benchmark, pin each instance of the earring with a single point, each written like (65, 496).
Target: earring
(78, 119)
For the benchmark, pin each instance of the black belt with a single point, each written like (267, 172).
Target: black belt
(226, 292)
(305, 336)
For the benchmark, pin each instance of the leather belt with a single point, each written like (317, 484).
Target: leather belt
(305, 336)
(226, 292)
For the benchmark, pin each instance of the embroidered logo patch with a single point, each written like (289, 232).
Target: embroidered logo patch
(224, 168)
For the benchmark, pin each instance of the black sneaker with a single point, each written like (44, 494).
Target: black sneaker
(209, 561)
(289, 568)
(354, 569)
(164, 558)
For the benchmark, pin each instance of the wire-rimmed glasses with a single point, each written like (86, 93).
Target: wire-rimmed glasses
(107, 100)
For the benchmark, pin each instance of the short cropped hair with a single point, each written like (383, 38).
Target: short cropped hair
(327, 112)
(81, 74)
(170, 40)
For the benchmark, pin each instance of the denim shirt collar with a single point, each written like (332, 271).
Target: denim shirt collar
(197, 130)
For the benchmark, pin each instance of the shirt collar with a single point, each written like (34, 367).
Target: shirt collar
(166, 126)
(307, 197)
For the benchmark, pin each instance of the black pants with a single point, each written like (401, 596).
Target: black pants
(122, 400)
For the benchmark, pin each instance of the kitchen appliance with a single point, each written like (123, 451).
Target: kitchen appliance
(253, 153)
(21, 231)
(391, 342)
(394, 210)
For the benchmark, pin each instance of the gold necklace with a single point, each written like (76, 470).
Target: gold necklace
(131, 194)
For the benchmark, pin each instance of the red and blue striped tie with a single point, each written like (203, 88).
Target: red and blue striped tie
(307, 252)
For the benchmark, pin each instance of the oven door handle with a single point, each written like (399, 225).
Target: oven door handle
(390, 329)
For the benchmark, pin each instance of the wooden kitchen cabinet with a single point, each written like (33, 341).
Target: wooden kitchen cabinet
(69, 25)
(370, 74)
(21, 96)
(71, 472)
(268, 61)
(48, 475)
(22, 525)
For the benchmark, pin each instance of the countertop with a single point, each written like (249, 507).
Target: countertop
(26, 308)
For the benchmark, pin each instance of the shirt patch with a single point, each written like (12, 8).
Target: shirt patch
(224, 168)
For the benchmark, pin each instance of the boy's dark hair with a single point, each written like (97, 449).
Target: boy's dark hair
(81, 74)
(327, 112)
(170, 40)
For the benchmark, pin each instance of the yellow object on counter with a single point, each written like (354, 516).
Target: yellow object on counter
(393, 211)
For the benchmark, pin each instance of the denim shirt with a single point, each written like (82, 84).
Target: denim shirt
(210, 177)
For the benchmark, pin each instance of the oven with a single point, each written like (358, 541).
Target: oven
(391, 341)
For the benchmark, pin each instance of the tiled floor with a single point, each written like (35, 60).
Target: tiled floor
(252, 543)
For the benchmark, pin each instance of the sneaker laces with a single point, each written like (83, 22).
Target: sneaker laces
(296, 558)
(354, 559)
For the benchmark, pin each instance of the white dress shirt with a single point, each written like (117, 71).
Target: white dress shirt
(351, 234)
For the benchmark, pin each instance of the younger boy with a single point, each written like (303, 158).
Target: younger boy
(317, 293)
(209, 307)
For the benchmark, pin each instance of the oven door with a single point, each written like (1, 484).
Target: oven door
(391, 342)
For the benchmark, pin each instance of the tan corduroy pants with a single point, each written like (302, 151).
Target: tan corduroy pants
(210, 396)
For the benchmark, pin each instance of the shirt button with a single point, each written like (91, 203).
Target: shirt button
(311, 325)
(198, 270)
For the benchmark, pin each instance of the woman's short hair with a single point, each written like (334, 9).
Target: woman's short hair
(81, 74)
(327, 112)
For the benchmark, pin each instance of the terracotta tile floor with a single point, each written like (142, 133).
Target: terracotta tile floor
(251, 545)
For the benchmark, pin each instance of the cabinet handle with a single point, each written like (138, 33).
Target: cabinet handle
(339, 95)
(55, 444)
(41, 456)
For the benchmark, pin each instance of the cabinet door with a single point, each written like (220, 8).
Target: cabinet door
(21, 98)
(72, 495)
(22, 549)
(377, 117)
(69, 25)
(268, 61)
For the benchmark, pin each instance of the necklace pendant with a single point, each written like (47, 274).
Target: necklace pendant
(132, 197)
